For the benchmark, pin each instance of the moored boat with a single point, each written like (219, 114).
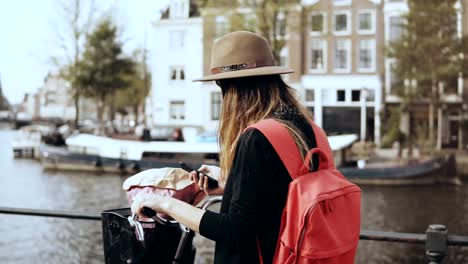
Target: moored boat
(86, 152)
(27, 143)
(430, 171)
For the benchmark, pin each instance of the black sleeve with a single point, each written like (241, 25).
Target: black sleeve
(238, 225)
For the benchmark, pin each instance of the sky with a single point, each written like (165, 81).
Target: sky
(30, 30)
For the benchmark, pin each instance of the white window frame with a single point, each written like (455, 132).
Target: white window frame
(345, 95)
(281, 16)
(342, 2)
(284, 53)
(324, 23)
(178, 70)
(373, 22)
(348, 22)
(305, 95)
(373, 55)
(348, 56)
(360, 94)
(180, 114)
(388, 26)
(325, 56)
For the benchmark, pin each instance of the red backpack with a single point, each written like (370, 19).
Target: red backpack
(321, 220)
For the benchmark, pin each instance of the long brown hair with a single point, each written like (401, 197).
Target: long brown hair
(248, 100)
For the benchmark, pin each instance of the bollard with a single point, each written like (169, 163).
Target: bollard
(436, 243)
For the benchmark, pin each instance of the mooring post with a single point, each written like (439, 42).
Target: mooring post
(436, 243)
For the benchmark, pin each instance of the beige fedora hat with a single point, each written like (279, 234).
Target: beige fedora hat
(242, 54)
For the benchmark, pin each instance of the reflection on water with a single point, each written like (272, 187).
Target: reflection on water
(26, 239)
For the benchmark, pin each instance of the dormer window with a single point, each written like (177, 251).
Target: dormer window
(179, 9)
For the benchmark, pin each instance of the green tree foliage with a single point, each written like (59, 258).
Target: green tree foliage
(266, 17)
(272, 16)
(427, 55)
(134, 96)
(104, 69)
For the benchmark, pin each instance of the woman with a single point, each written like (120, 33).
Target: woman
(253, 180)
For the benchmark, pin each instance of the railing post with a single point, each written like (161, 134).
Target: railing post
(436, 243)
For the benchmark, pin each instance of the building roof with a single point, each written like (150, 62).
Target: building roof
(194, 10)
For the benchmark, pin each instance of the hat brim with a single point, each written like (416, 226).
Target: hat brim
(267, 70)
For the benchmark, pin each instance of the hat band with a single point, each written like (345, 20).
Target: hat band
(238, 67)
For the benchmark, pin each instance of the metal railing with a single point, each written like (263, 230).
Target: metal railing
(436, 238)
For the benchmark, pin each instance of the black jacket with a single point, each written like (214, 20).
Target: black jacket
(253, 200)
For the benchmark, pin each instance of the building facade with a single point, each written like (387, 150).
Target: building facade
(176, 58)
(55, 100)
(333, 48)
(337, 49)
(341, 65)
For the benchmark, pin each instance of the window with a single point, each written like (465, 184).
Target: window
(366, 22)
(340, 95)
(177, 73)
(310, 95)
(341, 2)
(318, 48)
(317, 23)
(366, 53)
(355, 95)
(173, 74)
(178, 9)
(281, 25)
(395, 30)
(216, 100)
(182, 74)
(50, 97)
(370, 96)
(342, 55)
(177, 110)
(395, 82)
(176, 39)
(283, 57)
(222, 26)
(342, 23)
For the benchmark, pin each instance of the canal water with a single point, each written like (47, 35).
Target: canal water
(27, 239)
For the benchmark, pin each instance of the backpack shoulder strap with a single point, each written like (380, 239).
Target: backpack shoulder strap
(322, 142)
(283, 143)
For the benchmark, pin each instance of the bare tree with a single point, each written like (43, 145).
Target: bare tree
(76, 17)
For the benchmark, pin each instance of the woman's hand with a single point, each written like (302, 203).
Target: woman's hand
(202, 181)
(184, 213)
(154, 201)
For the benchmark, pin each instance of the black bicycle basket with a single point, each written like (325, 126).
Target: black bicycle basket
(160, 242)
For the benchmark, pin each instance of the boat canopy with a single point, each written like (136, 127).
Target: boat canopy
(133, 150)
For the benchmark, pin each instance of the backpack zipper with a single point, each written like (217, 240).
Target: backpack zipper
(301, 236)
(304, 228)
